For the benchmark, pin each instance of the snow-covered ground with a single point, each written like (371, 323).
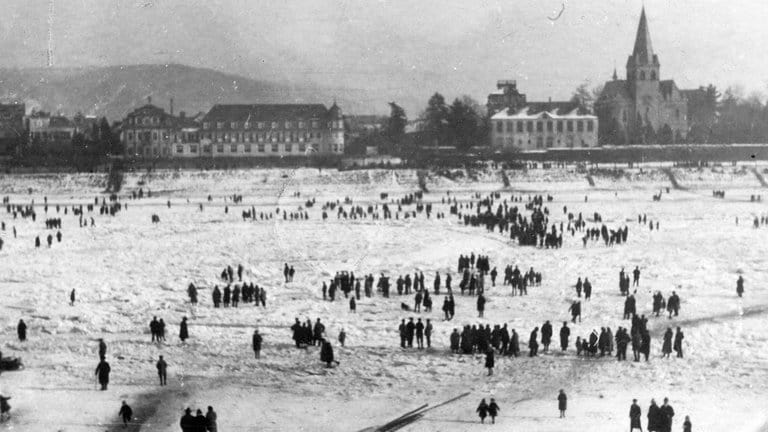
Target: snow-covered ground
(127, 270)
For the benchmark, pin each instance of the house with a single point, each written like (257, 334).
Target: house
(12, 127)
(150, 131)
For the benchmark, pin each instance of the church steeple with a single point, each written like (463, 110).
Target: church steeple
(643, 52)
(643, 64)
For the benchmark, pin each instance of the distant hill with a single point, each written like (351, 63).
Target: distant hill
(113, 91)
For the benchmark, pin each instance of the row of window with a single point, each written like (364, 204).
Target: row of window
(273, 125)
(147, 121)
(166, 136)
(540, 142)
(262, 136)
(246, 148)
(522, 126)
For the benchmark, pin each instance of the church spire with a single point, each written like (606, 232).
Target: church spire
(643, 52)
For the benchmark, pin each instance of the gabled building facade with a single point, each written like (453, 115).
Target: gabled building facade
(642, 108)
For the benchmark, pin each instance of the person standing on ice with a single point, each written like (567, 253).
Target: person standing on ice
(162, 371)
(666, 413)
(635, 413)
(565, 333)
(546, 335)
(256, 342)
(428, 333)
(102, 372)
(153, 329)
(740, 286)
(678, 344)
(562, 403)
(210, 418)
(72, 297)
(493, 410)
(533, 345)
(21, 330)
(216, 296)
(636, 276)
(420, 334)
(126, 413)
(326, 353)
(342, 337)
(489, 361)
(183, 331)
(240, 272)
(285, 272)
(480, 304)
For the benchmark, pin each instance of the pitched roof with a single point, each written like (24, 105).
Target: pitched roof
(643, 51)
(271, 112)
(613, 89)
(537, 110)
(666, 87)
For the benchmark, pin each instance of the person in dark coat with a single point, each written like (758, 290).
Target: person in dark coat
(256, 342)
(533, 345)
(678, 344)
(126, 413)
(480, 305)
(210, 418)
(216, 296)
(666, 413)
(654, 417)
(201, 423)
(482, 410)
(187, 422)
(562, 403)
(102, 371)
(352, 304)
(489, 361)
(666, 347)
(546, 335)
(565, 333)
(162, 371)
(72, 297)
(493, 408)
(21, 329)
(183, 331)
(326, 353)
(455, 339)
(740, 286)
(342, 337)
(687, 426)
(635, 413)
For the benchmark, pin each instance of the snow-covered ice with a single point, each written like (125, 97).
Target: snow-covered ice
(127, 270)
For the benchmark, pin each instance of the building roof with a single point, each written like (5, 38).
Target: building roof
(540, 110)
(271, 112)
(615, 88)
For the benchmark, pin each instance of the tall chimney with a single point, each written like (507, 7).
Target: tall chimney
(171, 106)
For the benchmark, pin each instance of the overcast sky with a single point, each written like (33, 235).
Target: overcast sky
(397, 48)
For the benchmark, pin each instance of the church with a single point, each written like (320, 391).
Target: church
(643, 108)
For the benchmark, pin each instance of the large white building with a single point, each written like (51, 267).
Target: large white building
(543, 125)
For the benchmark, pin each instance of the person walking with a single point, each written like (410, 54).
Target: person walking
(562, 403)
(493, 408)
(126, 413)
(162, 371)
(482, 410)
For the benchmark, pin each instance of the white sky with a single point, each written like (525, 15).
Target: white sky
(401, 48)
